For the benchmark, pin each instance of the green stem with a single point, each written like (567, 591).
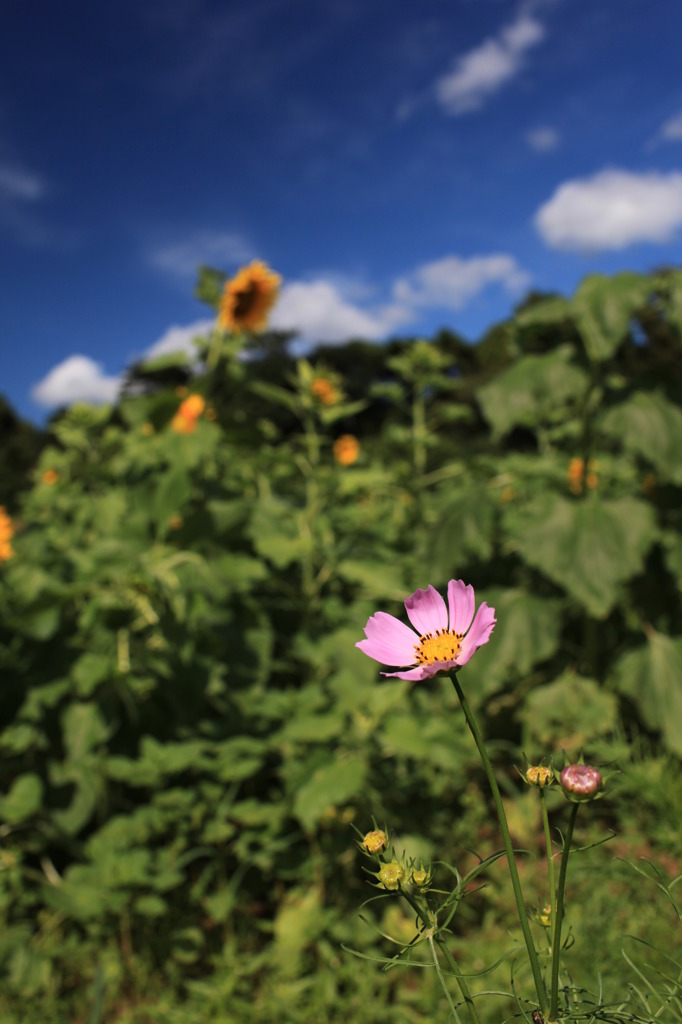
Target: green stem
(508, 848)
(442, 945)
(556, 947)
(550, 869)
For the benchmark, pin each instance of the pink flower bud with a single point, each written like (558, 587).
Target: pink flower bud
(581, 782)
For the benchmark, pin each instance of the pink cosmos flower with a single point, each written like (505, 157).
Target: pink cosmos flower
(445, 637)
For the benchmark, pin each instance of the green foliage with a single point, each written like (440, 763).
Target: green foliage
(187, 727)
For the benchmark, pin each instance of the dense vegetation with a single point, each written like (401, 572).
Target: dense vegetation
(188, 730)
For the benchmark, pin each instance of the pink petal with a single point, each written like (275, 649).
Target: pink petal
(389, 640)
(461, 602)
(426, 611)
(479, 634)
(421, 672)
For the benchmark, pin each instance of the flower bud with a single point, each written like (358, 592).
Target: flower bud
(581, 782)
(421, 877)
(391, 875)
(539, 776)
(374, 842)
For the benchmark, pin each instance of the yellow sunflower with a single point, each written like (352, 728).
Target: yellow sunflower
(248, 298)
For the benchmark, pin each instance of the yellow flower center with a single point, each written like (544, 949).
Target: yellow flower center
(443, 645)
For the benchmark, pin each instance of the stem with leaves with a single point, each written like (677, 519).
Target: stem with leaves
(434, 937)
(556, 944)
(508, 848)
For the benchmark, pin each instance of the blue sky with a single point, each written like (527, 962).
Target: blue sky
(403, 166)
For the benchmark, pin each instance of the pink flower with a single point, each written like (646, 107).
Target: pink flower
(445, 637)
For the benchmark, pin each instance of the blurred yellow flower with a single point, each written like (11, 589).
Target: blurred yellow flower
(248, 298)
(346, 449)
(374, 842)
(175, 522)
(507, 495)
(325, 390)
(50, 476)
(147, 429)
(6, 534)
(185, 419)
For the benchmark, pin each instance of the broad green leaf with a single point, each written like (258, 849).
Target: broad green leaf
(23, 800)
(548, 311)
(535, 390)
(526, 634)
(298, 923)
(569, 714)
(461, 530)
(604, 307)
(332, 784)
(278, 534)
(89, 671)
(651, 677)
(590, 548)
(650, 426)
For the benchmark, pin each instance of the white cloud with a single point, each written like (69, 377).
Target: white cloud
(182, 259)
(317, 311)
(671, 130)
(543, 140)
(76, 379)
(179, 339)
(481, 72)
(18, 183)
(611, 210)
(452, 282)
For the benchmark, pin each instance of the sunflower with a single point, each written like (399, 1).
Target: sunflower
(248, 298)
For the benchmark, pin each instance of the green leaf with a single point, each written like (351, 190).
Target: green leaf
(604, 307)
(23, 800)
(650, 426)
(536, 389)
(567, 714)
(650, 677)
(526, 634)
(330, 785)
(590, 548)
(276, 533)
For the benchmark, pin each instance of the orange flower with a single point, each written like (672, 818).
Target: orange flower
(50, 476)
(147, 429)
(576, 471)
(327, 392)
(6, 534)
(346, 449)
(185, 419)
(192, 407)
(175, 522)
(248, 298)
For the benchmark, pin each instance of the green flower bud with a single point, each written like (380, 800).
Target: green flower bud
(391, 875)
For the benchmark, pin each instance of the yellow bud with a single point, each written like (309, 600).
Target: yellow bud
(374, 842)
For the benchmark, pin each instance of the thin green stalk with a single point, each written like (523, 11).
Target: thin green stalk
(550, 869)
(509, 849)
(556, 948)
(442, 945)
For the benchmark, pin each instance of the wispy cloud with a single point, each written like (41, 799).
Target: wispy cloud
(480, 73)
(181, 259)
(18, 183)
(671, 130)
(543, 140)
(452, 282)
(612, 210)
